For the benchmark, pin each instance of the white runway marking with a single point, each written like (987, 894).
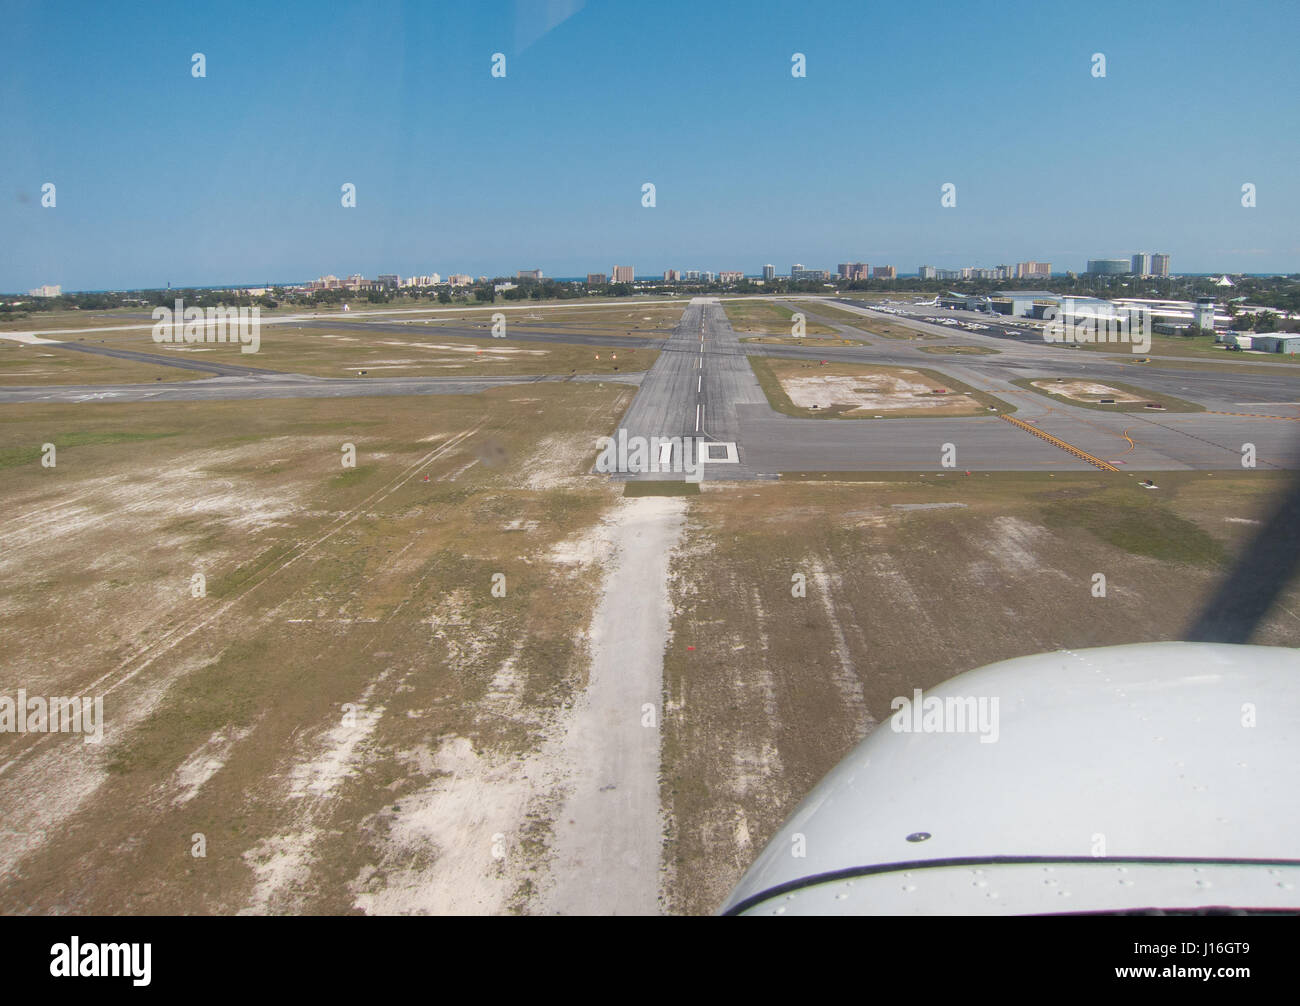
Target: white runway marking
(721, 453)
(697, 417)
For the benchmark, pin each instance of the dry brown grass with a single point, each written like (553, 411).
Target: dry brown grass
(325, 586)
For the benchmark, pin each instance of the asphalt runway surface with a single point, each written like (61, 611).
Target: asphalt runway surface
(695, 391)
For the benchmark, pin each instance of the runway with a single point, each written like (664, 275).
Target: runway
(695, 390)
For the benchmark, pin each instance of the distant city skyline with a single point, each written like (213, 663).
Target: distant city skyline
(163, 176)
(681, 276)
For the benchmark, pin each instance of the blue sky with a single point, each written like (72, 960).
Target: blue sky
(236, 177)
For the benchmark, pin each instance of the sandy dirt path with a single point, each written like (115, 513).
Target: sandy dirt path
(607, 837)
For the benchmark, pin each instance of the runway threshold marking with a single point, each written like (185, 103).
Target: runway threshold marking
(1058, 442)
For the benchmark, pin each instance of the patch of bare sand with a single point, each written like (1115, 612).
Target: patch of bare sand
(453, 847)
(205, 762)
(282, 864)
(1014, 546)
(827, 585)
(1086, 391)
(66, 771)
(558, 462)
(870, 392)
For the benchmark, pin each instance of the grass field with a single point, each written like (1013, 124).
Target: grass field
(873, 326)
(420, 352)
(39, 320)
(959, 350)
(766, 691)
(767, 318)
(349, 712)
(425, 352)
(24, 365)
(826, 309)
(455, 344)
(816, 341)
(641, 320)
(1225, 366)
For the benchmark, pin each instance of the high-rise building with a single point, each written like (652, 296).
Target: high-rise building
(769, 272)
(597, 279)
(730, 277)
(1030, 270)
(529, 274)
(47, 291)
(1160, 265)
(672, 276)
(1109, 266)
(884, 272)
(927, 272)
(1141, 264)
(796, 268)
(691, 275)
(622, 273)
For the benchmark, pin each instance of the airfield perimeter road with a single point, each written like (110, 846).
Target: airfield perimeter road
(702, 385)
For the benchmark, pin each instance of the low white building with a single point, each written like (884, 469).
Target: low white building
(1279, 342)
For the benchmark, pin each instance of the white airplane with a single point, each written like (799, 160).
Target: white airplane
(1159, 777)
